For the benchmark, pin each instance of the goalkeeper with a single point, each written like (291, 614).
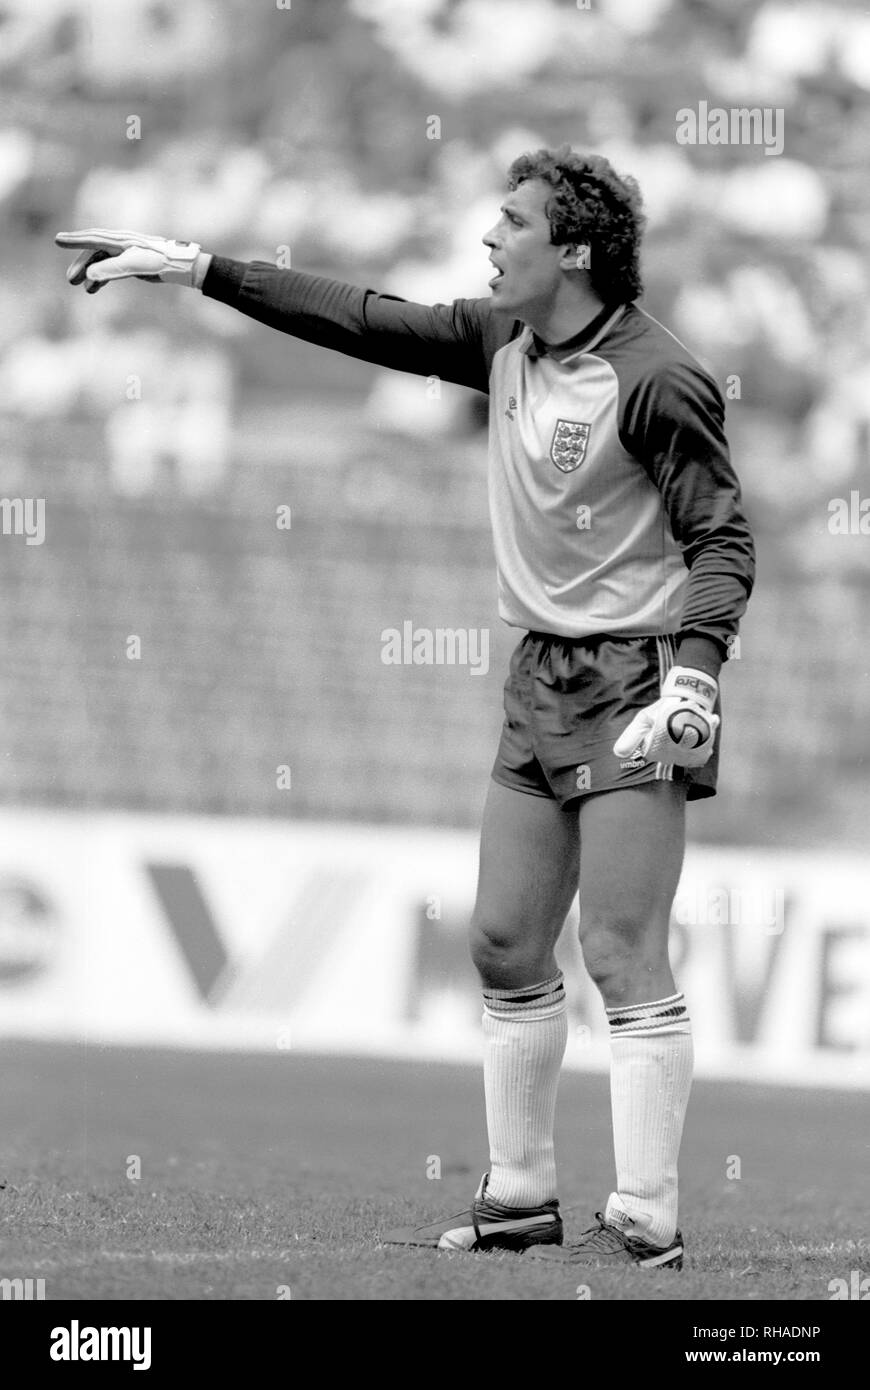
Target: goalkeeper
(624, 556)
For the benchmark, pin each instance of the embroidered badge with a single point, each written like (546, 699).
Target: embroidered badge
(568, 449)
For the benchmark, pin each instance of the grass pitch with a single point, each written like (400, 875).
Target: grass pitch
(270, 1177)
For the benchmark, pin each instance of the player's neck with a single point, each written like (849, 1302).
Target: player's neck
(564, 318)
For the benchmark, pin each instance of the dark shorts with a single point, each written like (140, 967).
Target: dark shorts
(566, 702)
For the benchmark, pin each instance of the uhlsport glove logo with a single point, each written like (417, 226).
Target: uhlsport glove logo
(680, 727)
(688, 729)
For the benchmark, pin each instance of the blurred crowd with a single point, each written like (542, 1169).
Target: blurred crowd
(368, 139)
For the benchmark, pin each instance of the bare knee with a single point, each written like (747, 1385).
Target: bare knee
(623, 958)
(504, 956)
(608, 965)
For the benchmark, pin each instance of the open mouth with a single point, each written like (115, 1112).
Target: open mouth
(496, 278)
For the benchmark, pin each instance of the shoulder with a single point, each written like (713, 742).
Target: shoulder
(494, 329)
(657, 373)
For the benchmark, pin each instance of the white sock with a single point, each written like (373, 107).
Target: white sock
(650, 1080)
(526, 1031)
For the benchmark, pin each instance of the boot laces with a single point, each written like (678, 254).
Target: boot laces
(601, 1237)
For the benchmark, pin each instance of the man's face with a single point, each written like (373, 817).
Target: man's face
(521, 250)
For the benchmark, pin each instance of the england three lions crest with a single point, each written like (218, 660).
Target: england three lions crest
(568, 449)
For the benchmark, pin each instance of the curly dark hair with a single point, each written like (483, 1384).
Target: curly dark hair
(590, 203)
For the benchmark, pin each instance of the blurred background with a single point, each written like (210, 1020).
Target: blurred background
(368, 140)
(225, 823)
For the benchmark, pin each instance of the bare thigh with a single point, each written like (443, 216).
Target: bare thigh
(529, 863)
(631, 853)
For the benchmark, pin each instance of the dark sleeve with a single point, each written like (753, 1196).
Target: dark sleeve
(673, 423)
(449, 341)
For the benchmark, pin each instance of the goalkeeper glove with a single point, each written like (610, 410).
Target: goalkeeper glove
(105, 256)
(680, 727)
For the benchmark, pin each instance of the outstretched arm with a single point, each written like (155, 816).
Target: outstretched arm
(452, 341)
(444, 340)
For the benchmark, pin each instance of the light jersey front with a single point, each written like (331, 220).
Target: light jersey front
(582, 541)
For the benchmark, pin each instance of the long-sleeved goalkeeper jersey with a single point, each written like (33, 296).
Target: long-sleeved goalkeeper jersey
(614, 504)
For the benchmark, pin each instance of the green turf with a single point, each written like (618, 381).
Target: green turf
(263, 1172)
